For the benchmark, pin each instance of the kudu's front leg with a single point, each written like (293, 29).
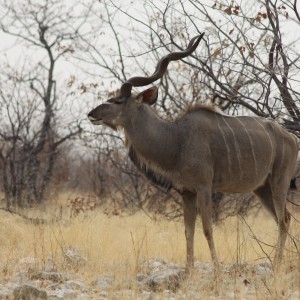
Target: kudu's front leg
(190, 214)
(204, 203)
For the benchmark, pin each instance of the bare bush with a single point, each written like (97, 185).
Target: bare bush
(82, 204)
(30, 134)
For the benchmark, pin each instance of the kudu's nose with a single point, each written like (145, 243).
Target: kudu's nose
(90, 116)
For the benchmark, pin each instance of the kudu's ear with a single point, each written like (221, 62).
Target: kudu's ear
(148, 96)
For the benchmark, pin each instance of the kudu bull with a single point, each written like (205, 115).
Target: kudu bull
(203, 151)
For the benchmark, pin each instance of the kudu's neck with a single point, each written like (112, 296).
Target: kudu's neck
(154, 139)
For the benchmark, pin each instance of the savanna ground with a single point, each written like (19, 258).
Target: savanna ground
(117, 246)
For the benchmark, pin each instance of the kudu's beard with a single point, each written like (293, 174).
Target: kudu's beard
(114, 127)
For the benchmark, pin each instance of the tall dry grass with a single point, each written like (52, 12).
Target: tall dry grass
(115, 245)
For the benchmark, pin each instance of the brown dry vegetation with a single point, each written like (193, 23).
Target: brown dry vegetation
(116, 246)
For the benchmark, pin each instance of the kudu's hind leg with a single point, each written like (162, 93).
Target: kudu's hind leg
(283, 219)
(204, 202)
(273, 197)
(264, 194)
(283, 228)
(190, 214)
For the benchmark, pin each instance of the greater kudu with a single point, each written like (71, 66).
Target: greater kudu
(203, 151)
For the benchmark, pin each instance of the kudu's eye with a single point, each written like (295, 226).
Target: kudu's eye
(115, 101)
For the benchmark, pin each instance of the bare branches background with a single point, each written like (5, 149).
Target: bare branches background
(248, 64)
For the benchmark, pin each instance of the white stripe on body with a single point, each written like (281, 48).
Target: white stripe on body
(251, 144)
(236, 146)
(227, 148)
(271, 144)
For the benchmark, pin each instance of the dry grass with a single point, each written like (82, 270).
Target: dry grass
(115, 246)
